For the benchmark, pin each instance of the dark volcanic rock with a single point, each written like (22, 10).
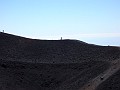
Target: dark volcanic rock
(112, 83)
(31, 64)
(52, 51)
(30, 76)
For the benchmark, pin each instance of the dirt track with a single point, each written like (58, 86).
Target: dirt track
(93, 84)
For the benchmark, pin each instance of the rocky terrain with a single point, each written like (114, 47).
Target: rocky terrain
(32, 64)
(112, 83)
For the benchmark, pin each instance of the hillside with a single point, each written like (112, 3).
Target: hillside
(112, 83)
(32, 64)
(52, 51)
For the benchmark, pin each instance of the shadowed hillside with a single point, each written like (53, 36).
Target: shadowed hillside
(31, 64)
(52, 51)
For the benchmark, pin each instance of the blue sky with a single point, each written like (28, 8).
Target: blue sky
(92, 21)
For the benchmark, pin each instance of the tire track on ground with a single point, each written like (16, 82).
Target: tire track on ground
(93, 84)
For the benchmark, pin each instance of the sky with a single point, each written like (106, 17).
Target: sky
(92, 21)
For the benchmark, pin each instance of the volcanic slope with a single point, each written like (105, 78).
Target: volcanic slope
(52, 51)
(112, 83)
(31, 64)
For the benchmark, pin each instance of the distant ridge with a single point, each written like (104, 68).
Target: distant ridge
(17, 48)
(2, 34)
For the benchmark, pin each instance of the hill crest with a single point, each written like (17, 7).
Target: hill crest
(51, 51)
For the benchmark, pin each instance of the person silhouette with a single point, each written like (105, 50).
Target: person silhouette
(61, 38)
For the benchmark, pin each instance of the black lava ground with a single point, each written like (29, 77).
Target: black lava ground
(31, 64)
(30, 76)
(112, 83)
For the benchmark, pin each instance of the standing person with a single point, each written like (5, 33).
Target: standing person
(61, 38)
